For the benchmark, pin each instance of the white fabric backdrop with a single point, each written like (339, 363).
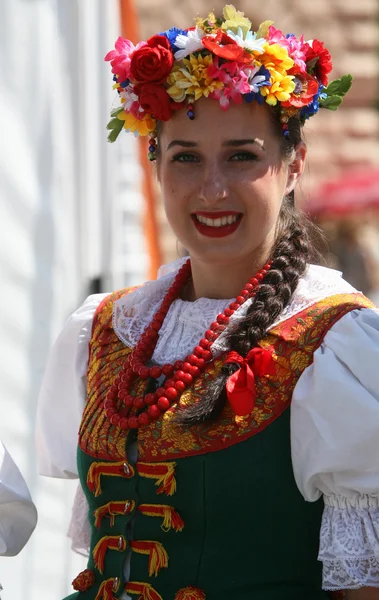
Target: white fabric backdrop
(70, 208)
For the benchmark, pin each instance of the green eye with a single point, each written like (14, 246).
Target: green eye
(184, 157)
(243, 156)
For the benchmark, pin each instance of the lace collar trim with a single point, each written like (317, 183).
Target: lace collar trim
(186, 321)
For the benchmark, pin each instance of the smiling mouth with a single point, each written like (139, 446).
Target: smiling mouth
(221, 220)
(218, 224)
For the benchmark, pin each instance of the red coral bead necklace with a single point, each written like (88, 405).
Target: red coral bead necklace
(181, 374)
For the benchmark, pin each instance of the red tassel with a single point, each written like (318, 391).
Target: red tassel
(158, 558)
(145, 590)
(171, 519)
(84, 581)
(164, 473)
(107, 588)
(112, 509)
(97, 469)
(107, 542)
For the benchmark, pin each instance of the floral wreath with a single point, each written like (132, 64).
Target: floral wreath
(220, 58)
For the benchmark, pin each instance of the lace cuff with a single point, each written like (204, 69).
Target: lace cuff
(349, 543)
(79, 530)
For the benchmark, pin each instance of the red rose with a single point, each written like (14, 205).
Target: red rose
(306, 88)
(323, 65)
(225, 47)
(154, 100)
(153, 62)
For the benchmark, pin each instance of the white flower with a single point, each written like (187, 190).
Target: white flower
(249, 42)
(253, 79)
(189, 43)
(129, 98)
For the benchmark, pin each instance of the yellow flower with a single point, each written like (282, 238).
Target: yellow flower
(299, 360)
(276, 59)
(235, 19)
(192, 79)
(280, 90)
(207, 24)
(276, 56)
(142, 126)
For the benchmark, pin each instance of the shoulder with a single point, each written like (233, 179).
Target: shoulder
(319, 290)
(319, 283)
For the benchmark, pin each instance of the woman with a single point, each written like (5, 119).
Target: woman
(197, 484)
(18, 515)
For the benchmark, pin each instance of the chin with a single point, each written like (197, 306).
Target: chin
(218, 257)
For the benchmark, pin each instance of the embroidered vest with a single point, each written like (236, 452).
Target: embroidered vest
(209, 512)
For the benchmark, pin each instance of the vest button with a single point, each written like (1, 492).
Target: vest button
(127, 507)
(115, 584)
(120, 542)
(127, 469)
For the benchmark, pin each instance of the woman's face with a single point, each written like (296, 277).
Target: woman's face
(223, 179)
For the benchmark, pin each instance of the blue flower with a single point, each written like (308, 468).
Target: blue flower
(254, 96)
(171, 35)
(314, 106)
(260, 79)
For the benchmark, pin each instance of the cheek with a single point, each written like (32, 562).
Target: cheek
(176, 188)
(268, 187)
(263, 198)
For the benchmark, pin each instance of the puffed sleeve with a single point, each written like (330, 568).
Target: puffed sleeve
(335, 448)
(18, 515)
(62, 396)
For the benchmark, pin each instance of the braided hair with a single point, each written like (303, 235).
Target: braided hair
(292, 251)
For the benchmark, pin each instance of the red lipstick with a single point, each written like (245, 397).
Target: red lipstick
(221, 231)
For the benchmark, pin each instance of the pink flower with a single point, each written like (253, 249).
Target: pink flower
(120, 57)
(297, 49)
(235, 82)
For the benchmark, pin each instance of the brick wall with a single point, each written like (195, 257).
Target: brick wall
(350, 29)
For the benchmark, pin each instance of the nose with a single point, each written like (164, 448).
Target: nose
(213, 186)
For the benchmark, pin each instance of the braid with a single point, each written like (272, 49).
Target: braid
(291, 253)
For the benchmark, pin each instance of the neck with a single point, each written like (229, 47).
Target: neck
(222, 281)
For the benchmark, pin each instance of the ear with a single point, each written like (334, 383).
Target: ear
(296, 167)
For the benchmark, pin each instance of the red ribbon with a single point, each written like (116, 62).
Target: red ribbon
(240, 387)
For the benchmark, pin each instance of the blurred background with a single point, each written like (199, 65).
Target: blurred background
(78, 215)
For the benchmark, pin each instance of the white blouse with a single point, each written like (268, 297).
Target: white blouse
(18, 515)
(334, 410)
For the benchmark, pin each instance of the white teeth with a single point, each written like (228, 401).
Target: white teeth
(220, 222)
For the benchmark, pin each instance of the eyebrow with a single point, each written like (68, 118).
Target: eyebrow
(244, 142)
(229, 143)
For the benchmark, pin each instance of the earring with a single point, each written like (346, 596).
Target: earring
(190, 113)
(152, 147)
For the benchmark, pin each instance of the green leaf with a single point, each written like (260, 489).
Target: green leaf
(331, 102)
(339, 87)
(312, 63)
(112, 137)
(116, 111)
(114, 123)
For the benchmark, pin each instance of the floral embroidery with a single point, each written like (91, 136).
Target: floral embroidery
(292, 342)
